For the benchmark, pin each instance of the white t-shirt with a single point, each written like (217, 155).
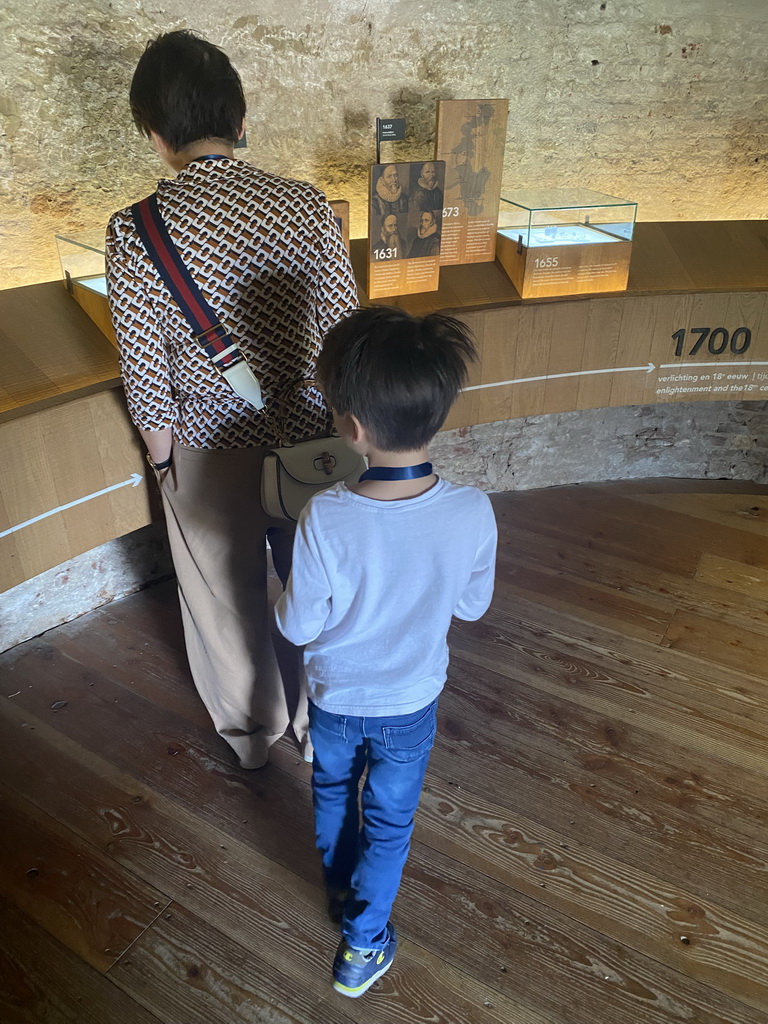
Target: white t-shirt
(373, 588)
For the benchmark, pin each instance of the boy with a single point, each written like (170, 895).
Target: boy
(379, 569)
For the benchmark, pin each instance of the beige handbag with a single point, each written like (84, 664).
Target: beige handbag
(291, 474)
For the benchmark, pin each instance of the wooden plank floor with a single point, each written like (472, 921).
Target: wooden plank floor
(592, 844)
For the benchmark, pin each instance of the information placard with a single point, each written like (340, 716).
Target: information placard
(405, 228)
(470, 140)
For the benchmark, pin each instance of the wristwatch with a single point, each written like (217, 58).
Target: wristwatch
(159, 465)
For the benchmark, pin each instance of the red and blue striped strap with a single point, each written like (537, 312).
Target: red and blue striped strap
(208, 330)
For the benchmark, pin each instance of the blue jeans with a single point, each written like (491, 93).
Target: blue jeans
(368, 861)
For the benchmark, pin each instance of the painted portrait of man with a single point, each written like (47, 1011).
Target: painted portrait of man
(389, 194)
(427, 240)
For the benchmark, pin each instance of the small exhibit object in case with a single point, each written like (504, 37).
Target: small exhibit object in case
(565, 241)
(405, 219)
(82, 259)
(470, 139)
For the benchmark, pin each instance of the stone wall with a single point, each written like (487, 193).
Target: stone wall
(698, 440)
(664, 103)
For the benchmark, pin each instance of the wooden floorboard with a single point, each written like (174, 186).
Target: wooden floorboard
(591, 847)
(43, 982)
(71, 888)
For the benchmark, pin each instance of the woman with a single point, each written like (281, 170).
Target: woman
(269, 258)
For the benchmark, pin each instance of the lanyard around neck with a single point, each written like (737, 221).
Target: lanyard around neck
(208, 156)
(397, 472)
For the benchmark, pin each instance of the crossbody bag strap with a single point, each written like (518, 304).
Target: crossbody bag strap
(212, 336)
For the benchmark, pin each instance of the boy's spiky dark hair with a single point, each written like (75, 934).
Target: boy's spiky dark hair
(398, 374)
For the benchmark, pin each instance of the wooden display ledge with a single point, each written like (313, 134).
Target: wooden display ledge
(667, 259)
(50, 351)
(563, 354)
(66, 439)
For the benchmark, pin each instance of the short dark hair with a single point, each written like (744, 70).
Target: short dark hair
(186, 89)
(398, 374)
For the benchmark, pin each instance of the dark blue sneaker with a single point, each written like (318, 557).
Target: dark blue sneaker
(354, 972)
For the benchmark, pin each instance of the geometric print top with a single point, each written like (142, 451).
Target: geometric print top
(267, 254)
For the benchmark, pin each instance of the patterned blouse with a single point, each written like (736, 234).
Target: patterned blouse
(268, 256)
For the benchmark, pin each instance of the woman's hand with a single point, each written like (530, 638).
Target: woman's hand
(159, 446)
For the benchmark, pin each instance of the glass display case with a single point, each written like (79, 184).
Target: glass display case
(565, 241)
(82, 259)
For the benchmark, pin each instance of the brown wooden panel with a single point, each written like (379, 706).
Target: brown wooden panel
(654, 258)
(721, 643)
(733, 511)
(501, 344)
(73, 891)
(43, 982)
(566, 355)
(69, 452)
(634, 345)
(724, 572)
(221, 878)
(470, 136)
(711, 596)
(600, 351)
(511, 942)
(96, 307)
(340, 209)
(701, 247)
(184, 970)
(646, 618)
(690, 275)
(51, 351)
(611, 897)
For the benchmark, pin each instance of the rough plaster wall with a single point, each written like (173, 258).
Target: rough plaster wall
(662, 102)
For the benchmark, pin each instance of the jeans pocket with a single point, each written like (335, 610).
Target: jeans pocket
(333, 727)
(412, 741)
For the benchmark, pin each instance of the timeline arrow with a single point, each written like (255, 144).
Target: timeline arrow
(735, 362)
(553, 376)
(134, 481)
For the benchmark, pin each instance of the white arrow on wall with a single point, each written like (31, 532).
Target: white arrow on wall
(134, 481)
(736, 362)
(553, 376)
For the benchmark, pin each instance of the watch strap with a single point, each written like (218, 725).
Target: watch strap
(159, 465)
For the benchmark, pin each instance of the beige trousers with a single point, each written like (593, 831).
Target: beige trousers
(218, 531)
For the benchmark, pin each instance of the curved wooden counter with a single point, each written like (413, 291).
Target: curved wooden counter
(73, 472)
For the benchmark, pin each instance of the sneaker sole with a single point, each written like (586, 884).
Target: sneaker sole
(355, 993)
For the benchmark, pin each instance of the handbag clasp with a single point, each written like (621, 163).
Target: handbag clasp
(326, 462)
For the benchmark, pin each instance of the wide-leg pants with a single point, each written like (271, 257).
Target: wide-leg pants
(217, 531)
